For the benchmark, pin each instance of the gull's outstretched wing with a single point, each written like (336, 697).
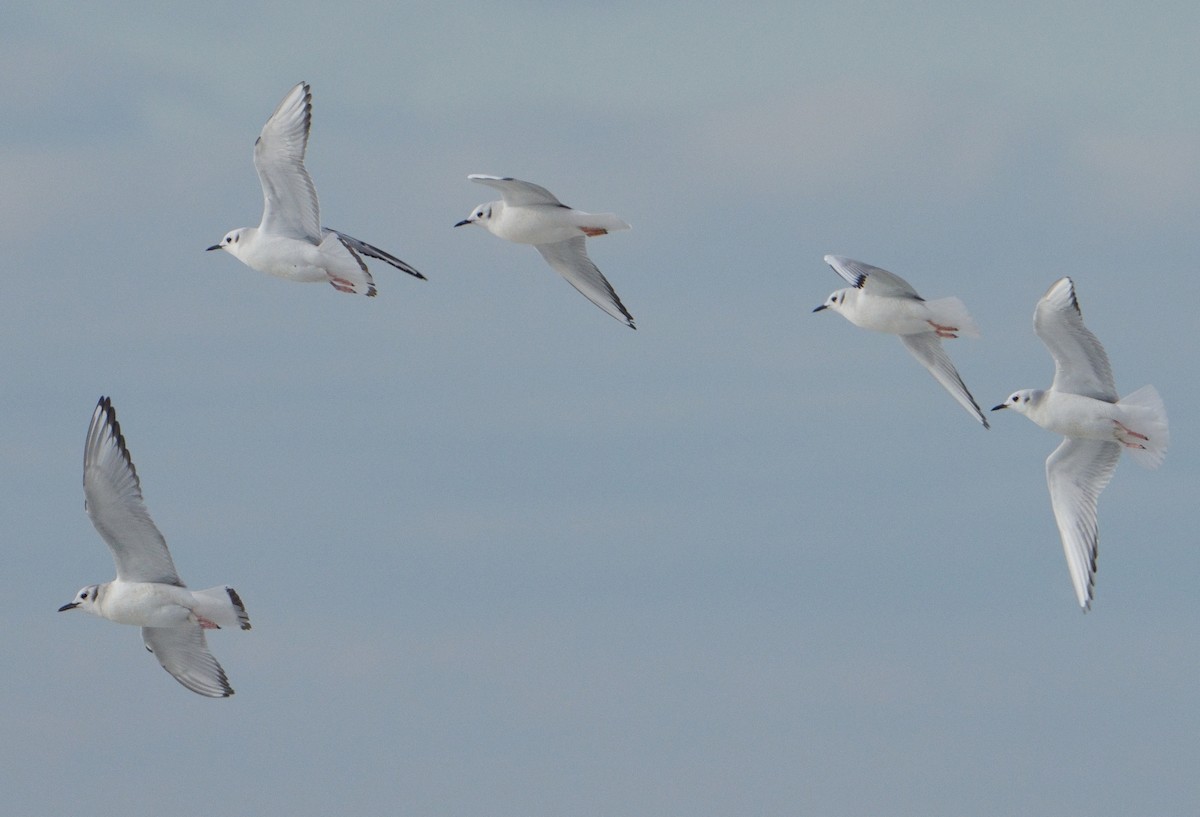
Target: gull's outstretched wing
(1077, 472)
(183, 652)
(370, 251)
(875, 280)
(113, 498)
(289, 198)
(517, 193)
(1080, 364)
(569, 259)
(927, 348)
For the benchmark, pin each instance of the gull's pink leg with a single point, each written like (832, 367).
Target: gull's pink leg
(943, 331)
(1124, 433)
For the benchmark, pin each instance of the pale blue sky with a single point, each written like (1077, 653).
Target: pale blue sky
(504, 556)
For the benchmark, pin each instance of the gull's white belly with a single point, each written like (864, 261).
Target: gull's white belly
(289, 258)
(896, 316)
(1073, 415)
(535, 224)
(146, 604)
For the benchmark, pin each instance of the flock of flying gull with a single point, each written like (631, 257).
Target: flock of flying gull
(1081, 404)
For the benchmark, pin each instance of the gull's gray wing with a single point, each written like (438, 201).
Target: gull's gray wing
(1080, 364)
(1077, 472)
(927, 348)
(517, 193)
(183, 652)
(366, 249)
(113, 499)
(289, 198)
(569, 259)
(875, 280)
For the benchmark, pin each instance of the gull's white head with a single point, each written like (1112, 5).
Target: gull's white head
(84, 600)
(837, 300)
(481, 215)
(1021, 401)
(231, 242)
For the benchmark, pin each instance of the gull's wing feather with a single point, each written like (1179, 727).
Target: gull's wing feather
(569, 259)
(183, 652)
(289, 198)
(363, 248)
(1077, 472)
(113, 498)
(1080, 363)
(875, 280)
(927, 348)
(515, 192)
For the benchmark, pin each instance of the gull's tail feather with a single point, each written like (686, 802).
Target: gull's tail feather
(346, 270)
(953, 312)
(1146, 414)
(223, 606)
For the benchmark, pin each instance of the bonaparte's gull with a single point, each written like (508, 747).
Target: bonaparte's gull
(1082, 405)
(147, 591)
(290, 242)
(885, 302)
(530, 214)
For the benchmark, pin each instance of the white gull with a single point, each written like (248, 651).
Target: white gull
(530, 214)
(885, 302)
(147, 592)
(290, 241)
(1082, 405)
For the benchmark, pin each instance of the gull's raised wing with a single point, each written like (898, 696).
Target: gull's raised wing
(875, 280)
(517, 193)
(113, 498)
(1080, 363)
(289, 198)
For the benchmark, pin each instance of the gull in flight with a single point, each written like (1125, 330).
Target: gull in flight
(530, 214)
(290, 242)
(147, 591)
(883, 301)
(1082, 405)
